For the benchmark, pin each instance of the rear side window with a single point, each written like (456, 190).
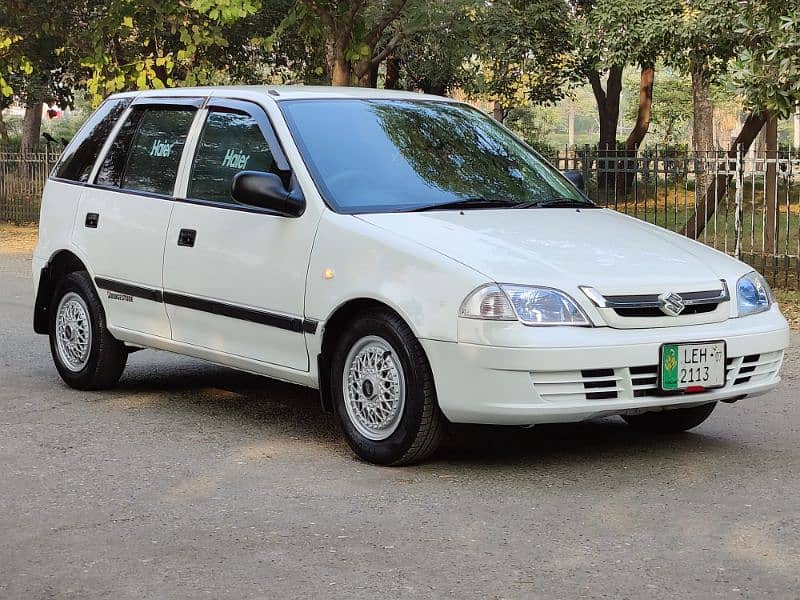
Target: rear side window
(77, 161)
(230, 142)
(147, 151)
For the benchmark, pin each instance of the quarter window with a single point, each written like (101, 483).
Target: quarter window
(77, 161)
(147, 151)
(230, 142)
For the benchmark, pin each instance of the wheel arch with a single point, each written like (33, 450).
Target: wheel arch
(333, 327)
(60, 264)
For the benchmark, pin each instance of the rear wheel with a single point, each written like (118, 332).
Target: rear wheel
(383, 391)
(85, 353)
(671, 421)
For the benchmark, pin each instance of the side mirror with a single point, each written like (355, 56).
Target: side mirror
(266, 190)
(575, 178)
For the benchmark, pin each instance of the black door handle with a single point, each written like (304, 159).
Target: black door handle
(186, 237)
(92, 219)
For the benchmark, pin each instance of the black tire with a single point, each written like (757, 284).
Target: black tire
(421, 423)
(671, 421)
(107, 356)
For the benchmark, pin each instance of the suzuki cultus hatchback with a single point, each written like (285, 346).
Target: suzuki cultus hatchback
(404, 254)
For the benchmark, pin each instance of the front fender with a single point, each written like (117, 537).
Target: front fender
(353, 259)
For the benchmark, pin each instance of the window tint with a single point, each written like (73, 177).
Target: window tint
(113, 167)
(230, 142)
(77, 161)
(147, 151)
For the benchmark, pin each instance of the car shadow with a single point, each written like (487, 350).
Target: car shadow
(278, 409)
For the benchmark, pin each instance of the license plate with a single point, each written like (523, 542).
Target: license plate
(692, 367)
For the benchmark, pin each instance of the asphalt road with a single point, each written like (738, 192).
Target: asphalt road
(195, 481)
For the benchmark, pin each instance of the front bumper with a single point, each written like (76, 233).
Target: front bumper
(571, 374)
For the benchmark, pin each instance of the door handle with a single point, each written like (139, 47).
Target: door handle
(186, 237)
(92, 219)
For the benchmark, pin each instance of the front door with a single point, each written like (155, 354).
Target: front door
(234, 276)
(124, 213)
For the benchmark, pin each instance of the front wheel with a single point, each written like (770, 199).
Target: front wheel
(383, 391)
(85, 353)
(671, 421)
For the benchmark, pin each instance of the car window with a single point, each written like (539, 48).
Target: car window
(78, 159)
(147, 151)
(230, 142)
(398, 155)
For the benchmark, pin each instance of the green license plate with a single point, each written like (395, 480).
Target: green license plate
(692, 367)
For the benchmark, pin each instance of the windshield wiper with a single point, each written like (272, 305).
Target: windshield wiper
(462, 203)
(556, 203)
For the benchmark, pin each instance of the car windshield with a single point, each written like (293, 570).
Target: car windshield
(398, 155)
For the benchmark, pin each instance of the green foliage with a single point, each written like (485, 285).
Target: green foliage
(520, 52)
(622, 32)
(702, 37)
(154, 43)
(767, 68)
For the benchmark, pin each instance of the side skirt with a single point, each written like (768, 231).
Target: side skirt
(248, 365)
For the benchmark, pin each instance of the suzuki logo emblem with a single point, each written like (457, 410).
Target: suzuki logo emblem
(671, 304)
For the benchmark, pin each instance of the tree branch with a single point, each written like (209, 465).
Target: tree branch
(323, 14)
(392, 12)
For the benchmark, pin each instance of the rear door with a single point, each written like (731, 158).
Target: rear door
(234, 275)
(124, 213)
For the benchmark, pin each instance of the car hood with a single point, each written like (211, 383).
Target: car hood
(565, 248)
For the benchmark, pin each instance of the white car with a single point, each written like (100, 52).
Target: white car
(403, 253)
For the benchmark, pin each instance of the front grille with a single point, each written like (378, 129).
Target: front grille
(617, 309)
(629, 383)
(692, 309)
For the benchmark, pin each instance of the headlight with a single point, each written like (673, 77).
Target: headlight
(530, 305)
(753, 294)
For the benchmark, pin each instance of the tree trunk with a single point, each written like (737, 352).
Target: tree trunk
(607, 105)
(702, 127)
(392, 81)
(718, 187)
(636, 136)
(608, 116)
(771, 184)
(3, 130)
(31, 125)
(702, 115)
(367, 74)
(498, 112)
(571, 125)
(645, 110)
(797, 126)
(339, 67)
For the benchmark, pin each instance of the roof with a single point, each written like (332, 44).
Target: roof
(289, 92)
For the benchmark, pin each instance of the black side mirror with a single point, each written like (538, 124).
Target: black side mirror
(575, 178)
(266, 190)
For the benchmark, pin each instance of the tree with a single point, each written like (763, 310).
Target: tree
(354, 32)
(767, 73)
(432, 57)
(153, 43)
(672, 107)
(521, 53)
(610, 34)
(35, 64)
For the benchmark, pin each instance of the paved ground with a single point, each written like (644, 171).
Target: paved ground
(195, 481)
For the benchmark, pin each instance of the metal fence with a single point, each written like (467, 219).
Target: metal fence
(22, 179)
(747, 205)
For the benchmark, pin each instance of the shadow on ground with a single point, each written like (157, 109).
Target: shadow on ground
(233, 398)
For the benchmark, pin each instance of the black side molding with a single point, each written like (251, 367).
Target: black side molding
(130, 290)
(211, 306)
